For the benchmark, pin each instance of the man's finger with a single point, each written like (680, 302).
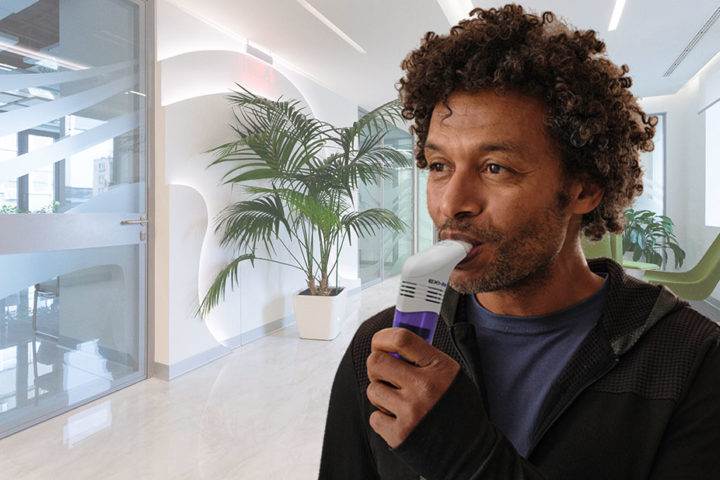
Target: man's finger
(385, 397)
(389, 428)
(382, 423)
(383, 367)
(407, 344)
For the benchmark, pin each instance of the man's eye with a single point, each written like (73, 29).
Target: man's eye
(494, 168)
(436, 167)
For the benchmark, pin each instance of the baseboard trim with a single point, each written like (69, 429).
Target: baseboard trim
(268, 328)
(259, 332)
(160, 370)
(170, 372)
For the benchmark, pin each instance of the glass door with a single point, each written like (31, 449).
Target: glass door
(398, 192)
(370, 248)
(73, 161)
(383, 255)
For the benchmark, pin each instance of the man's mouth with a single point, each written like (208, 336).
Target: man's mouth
(474, 252)
(477, 244)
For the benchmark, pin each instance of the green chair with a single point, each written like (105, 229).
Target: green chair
(698, 282)
(601, 248)
(610, 246)
(616, 247)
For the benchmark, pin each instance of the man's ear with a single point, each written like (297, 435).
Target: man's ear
(585, 196)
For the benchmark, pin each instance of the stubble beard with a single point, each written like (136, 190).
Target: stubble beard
(522, 260)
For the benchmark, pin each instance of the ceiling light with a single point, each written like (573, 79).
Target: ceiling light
(49, 64)
(617, 13)
(40, 56)
(41, 93)
(331, 26)
(5, 66)
(455, 10)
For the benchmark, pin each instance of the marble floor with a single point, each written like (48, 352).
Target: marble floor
(257, 413)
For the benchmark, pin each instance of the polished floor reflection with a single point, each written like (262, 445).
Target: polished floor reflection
(257, 414)
(39, 376)
(55, 349)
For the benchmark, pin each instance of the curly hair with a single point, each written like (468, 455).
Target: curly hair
(591, 115)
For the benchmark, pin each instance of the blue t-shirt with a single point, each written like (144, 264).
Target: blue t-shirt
(522, 356)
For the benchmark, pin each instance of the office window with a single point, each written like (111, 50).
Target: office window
(712, 166)
(653, 165)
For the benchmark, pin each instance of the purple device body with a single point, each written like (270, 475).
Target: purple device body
(422, 287)
(421, 323)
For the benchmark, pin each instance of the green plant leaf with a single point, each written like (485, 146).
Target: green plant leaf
(368, 222)
(651, 234)
(302, 175)
(216, 292)
(246, 223)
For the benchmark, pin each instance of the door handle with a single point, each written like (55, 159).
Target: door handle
(141, 221)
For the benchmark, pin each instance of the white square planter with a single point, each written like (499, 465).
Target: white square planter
(319, 317)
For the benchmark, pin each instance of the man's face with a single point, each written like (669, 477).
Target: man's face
(495, 180)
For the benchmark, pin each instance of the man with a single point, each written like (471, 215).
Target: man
(544, 365)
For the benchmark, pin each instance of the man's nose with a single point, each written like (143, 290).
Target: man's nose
(462, 196)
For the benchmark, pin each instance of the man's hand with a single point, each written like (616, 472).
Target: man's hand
(404, 392)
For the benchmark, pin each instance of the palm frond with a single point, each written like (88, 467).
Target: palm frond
(216, 292)
(368, 222)
(370, 166)
(279, 115)
(381, 118)
(246, 223)
(276, 133)
(322, 215)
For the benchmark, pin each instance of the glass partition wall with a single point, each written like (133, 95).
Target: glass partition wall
(653, 165)
(73, 157)
(383, 255)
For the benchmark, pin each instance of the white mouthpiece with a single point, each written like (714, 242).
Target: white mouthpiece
(425, 276)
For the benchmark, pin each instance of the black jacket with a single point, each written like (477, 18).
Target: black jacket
(640, 399)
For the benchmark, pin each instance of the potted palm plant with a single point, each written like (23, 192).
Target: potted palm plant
(300, 174)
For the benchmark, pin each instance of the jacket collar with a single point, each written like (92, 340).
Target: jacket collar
(633, 306)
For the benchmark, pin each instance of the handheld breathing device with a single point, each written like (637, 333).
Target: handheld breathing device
(423, 283)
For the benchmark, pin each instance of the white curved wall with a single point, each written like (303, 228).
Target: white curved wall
(199, 66)
(188, 224)
(194, 74)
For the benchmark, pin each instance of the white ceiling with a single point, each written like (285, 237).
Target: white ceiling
(651, 35)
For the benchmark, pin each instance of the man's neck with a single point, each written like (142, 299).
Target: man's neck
(567, 281)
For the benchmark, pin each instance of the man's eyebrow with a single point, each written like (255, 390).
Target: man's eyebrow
(432, 146)
(500, 147)
(484, 147)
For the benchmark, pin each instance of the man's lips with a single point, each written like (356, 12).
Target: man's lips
(471, 254)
